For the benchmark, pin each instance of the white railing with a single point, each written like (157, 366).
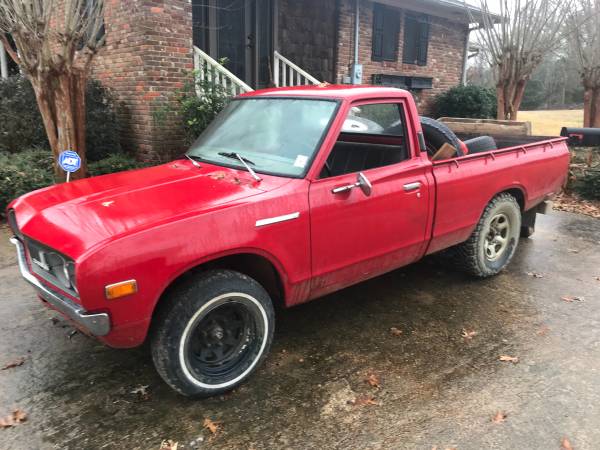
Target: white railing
(209, 69)
(286, 73)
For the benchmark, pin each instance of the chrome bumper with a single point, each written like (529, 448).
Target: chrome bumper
(96, 324)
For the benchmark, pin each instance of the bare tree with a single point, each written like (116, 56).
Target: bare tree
(516, 35)
(583, 33)
(55, 50)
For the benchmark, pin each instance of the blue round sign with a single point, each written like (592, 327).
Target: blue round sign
(69, 161)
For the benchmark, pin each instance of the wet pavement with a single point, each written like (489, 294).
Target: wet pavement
(436, 387)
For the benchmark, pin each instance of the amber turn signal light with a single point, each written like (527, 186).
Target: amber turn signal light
(121, 289)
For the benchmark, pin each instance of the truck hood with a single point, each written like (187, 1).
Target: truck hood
(74, 217)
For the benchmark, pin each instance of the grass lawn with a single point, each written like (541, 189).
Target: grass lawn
(549, 123)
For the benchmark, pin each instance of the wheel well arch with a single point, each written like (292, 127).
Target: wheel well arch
(518, 194)
(254, 265)
(516, 191)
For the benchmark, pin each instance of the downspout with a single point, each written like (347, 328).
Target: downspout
(356, 30)
(463, 78)
(356, 72)
(3, 62)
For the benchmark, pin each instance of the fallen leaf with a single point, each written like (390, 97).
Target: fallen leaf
(141, 390)
(364, 400)
(16, 363)
(544, 330)
(535, 275)
(468, 334)
(572, 298)
(565, 444)
(211, 426)
(507, 358)
(18, 416)
(168, 445)
(499, 417)
(395, 331)
(373, 380)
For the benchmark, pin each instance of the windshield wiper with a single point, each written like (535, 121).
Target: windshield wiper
(193, 160)
(244, 161)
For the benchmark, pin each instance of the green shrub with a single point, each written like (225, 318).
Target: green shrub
(114, 163)
(102, 129)
(467, 101)
(588, 186)
(23, 172)
(193, 112)
(21, 125)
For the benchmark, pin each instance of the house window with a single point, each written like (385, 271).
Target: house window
(386, 27)
(416, 39)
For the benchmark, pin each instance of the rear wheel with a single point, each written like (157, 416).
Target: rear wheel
(213, 333)
(494, 241)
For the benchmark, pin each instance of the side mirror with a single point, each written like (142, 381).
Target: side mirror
(364, 184)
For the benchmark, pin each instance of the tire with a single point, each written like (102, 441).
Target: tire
(528, 223)
(437, 134)
(481, 144)
(482, 255)
(213, 333)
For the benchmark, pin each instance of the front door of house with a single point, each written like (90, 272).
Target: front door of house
(238, 32)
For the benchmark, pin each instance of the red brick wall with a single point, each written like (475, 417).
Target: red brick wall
(147, 55)
(444, 61)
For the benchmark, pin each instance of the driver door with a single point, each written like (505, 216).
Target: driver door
(356, 235)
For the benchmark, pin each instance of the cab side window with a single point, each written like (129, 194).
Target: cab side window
(373, 135)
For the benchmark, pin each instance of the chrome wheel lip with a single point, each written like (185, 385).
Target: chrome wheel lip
(497, 237)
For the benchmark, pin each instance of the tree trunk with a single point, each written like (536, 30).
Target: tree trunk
(509, 97)
(591, 107)
(61, 100)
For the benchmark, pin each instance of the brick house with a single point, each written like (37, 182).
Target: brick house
(152, 45)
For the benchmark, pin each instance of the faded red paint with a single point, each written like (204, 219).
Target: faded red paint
(155, 224)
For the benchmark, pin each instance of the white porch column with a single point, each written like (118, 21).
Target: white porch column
(3, 62)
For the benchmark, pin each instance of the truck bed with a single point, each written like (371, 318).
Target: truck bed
(533, 171)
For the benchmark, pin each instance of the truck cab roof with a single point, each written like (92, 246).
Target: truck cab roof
(333, 91)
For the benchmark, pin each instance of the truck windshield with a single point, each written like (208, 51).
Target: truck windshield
(278, 135)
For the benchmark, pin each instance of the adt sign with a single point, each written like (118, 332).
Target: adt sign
(69, 161)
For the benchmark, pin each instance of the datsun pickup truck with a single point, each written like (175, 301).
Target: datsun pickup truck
(288, 195)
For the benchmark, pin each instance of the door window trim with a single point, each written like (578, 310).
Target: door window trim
(316, 170)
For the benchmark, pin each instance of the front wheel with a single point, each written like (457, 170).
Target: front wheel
(213, 333)
(494, 241)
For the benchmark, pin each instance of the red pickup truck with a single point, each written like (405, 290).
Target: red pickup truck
(290, 194)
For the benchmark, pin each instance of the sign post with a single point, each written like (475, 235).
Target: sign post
(69, 161)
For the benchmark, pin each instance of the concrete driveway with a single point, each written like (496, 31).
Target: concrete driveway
(429, 385)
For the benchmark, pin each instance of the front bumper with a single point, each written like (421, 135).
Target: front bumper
(97, 324)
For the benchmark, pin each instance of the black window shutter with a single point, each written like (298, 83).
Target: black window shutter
(411, 29)
(378, 32)
(391, 28)
(423, 44)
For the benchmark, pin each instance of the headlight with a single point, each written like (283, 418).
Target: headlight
(51, 265)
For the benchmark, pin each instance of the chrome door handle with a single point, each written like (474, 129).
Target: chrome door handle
(346, 188)
(412, 186)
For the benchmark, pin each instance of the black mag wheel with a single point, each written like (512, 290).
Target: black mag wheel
(213, 333)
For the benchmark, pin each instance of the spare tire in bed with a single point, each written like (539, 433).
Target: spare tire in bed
(481, 144)
(437, 134)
